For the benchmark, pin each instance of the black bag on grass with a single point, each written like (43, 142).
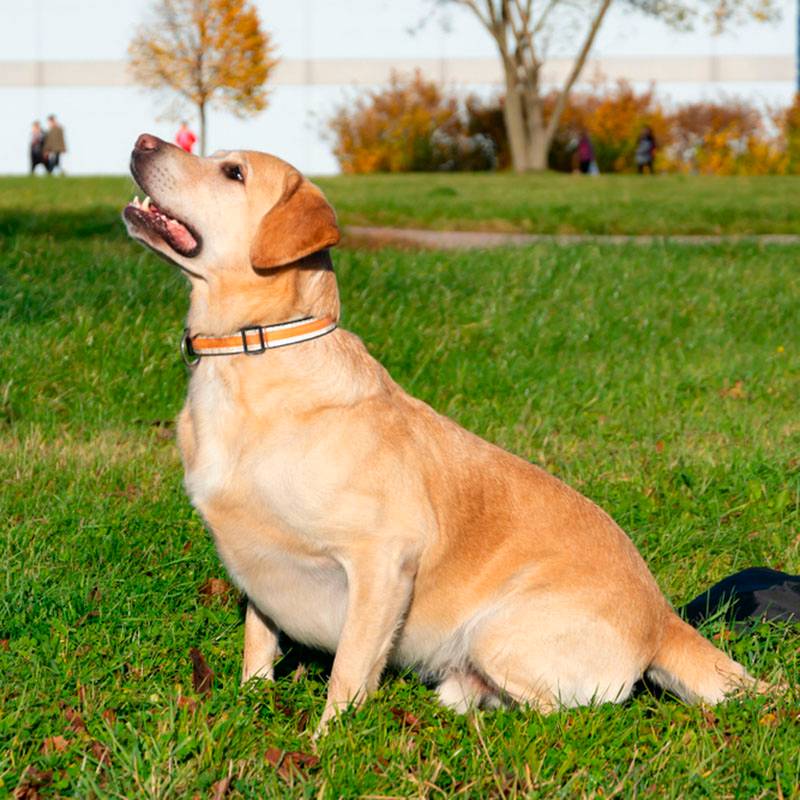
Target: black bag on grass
(754, 593)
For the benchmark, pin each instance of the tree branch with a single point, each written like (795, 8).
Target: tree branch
(537, 28)
(486, 21)
(577, 66)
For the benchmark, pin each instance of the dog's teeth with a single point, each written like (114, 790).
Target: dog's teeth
(135, 201)
(146, 204)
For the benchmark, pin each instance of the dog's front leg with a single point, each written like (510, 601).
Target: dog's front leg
(378, 594)
(260, 645)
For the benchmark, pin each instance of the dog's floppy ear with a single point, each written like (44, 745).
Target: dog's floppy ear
(299, 224)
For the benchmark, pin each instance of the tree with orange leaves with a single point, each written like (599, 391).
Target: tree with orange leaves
(207, 51)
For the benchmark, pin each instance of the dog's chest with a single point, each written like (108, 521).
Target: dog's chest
(264, 514)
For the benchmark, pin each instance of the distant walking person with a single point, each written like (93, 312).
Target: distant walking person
(585, 154)
(646, 151)
(185, 138)
(54, 144)
(37, 146)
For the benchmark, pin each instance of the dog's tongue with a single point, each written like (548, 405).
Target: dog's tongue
(180, 235)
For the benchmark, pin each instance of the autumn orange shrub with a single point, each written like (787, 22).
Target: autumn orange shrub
(391, 129)
(724, 138)
(789, 124)
(413, 125)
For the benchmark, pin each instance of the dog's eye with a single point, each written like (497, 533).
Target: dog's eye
(234, 172)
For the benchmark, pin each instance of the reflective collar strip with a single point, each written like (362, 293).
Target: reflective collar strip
(257, 338)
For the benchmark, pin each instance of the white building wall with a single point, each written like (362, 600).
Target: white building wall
(68, 57)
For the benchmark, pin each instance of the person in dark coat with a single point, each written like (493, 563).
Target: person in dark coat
(646, 151)
(54, 144)
(37, 146)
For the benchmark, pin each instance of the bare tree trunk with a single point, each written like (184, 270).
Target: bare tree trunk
(514, 118)
(538, 144)
(511, 25)
(201, 108)
(528, 136)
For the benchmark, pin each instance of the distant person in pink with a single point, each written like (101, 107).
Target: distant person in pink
(185, 138)
(585, 153)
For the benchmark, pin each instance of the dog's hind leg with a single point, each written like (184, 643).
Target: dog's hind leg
(462, 690)
(563, 658)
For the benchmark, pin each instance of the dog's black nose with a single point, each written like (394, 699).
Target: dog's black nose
(148, 142)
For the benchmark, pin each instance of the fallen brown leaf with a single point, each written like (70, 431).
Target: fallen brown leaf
(202, 676)
(75, 720)
(187, 702)
(30, 782)
(292, 762)
(406, 718)
(94, 595)
(101, 753)
(165, 433)
(130, 669)
(3, 644)
(215, 587)
(737, 391)
(55, 744)
(280, 706)
(380, 765)
(660, 446)
(709, 718)
(93, 614)
(129, 493)
(221, 788)
(300, 759)
(110, 716)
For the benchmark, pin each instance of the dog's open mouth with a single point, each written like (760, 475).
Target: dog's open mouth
(178, 235)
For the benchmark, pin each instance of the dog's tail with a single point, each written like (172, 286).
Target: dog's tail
(695, 670)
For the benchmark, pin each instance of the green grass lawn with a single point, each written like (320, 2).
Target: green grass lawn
(553, 203)
(662, 381)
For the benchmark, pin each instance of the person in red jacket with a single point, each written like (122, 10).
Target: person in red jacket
(185, 138)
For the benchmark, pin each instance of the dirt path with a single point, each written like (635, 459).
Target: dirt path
(458, 240)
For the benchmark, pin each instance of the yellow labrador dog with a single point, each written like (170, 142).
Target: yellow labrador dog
(355, 517)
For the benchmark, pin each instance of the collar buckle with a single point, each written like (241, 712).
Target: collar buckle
(188, 354)
(255, 349)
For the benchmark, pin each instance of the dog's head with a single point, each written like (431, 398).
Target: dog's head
(233, 210)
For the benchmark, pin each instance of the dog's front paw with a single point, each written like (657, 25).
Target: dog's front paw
(332, 712)
(264, 673)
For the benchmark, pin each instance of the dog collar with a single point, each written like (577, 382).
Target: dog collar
(254, 339)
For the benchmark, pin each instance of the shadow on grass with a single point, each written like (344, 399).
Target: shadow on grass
(295, 655)
(64, 224)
